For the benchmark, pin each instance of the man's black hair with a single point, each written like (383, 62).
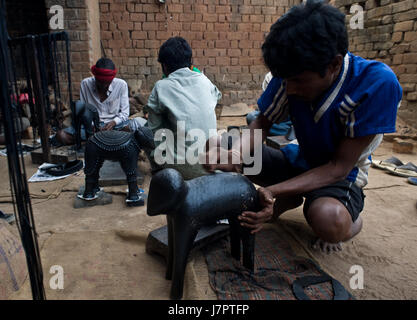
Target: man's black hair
(175, 53)
(306, 38)
(105, 63)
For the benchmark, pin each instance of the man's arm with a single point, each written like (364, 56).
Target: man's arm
(124, 110)
(154, 110)
(260, 123)
(155, 120)
(83, 96)
(123, 114)
(346, 156)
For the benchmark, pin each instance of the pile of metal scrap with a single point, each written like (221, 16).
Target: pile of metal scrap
(41, 79)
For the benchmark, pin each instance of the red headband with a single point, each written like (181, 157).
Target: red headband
(105, 75)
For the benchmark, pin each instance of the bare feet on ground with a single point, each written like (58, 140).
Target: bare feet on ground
(327, 247)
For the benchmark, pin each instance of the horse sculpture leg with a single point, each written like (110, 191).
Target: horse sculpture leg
(234, 238)
(132, 185)
(93, 164)
(241, 237)
(129, 165)
(248, 242)
(170, 261)
(184, 236)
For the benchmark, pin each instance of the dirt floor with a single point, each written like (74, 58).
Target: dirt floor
(102, 249)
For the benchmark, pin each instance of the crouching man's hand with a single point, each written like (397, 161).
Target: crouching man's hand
(218, 158)
(255, 220)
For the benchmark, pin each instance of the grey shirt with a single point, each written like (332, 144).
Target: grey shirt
(184, 96)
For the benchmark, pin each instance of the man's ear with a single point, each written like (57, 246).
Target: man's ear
(164, 69)
(336, 63)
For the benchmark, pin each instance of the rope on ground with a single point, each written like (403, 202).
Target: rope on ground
(385, 187)
(55, 194)
(7, 198)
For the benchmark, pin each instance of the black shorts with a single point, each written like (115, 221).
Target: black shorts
(345, 191)
(276, 168)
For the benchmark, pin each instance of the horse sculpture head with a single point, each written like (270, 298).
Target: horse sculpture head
(167, 192)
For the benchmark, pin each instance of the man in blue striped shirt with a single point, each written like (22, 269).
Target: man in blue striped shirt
(340, 106)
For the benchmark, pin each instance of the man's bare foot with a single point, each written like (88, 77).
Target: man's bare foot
(327, 247)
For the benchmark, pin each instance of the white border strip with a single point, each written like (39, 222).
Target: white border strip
(335, 92)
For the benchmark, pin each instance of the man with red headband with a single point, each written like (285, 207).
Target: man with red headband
(108, 96)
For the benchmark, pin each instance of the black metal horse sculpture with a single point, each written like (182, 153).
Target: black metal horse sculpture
(118, 146)
(202, 201)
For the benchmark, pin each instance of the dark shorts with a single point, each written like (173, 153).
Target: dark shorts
(349, 194)
(276, 168)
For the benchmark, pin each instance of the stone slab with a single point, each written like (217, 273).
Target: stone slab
(103, 199)
(157, 241)
(111, 174)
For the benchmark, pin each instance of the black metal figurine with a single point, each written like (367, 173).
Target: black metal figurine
(202, 201)
(118, 146)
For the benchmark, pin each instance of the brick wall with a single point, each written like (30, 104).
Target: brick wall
(389, 35)
(79, 24)
(225, 35)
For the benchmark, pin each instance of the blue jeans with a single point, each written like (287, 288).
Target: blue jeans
(132, 123)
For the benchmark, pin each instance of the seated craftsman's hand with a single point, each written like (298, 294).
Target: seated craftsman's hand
(218, 158)
(109, 126)
(255, 220)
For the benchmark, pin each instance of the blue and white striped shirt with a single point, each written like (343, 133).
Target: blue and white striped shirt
(362, 101)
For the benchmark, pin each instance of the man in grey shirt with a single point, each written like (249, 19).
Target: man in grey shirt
(181, 105)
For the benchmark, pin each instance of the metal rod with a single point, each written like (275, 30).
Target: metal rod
(43, 76)
(54, 75)
(59, 36)
(33, 120)
(39, 103)
(67, 49)
(20, 191)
